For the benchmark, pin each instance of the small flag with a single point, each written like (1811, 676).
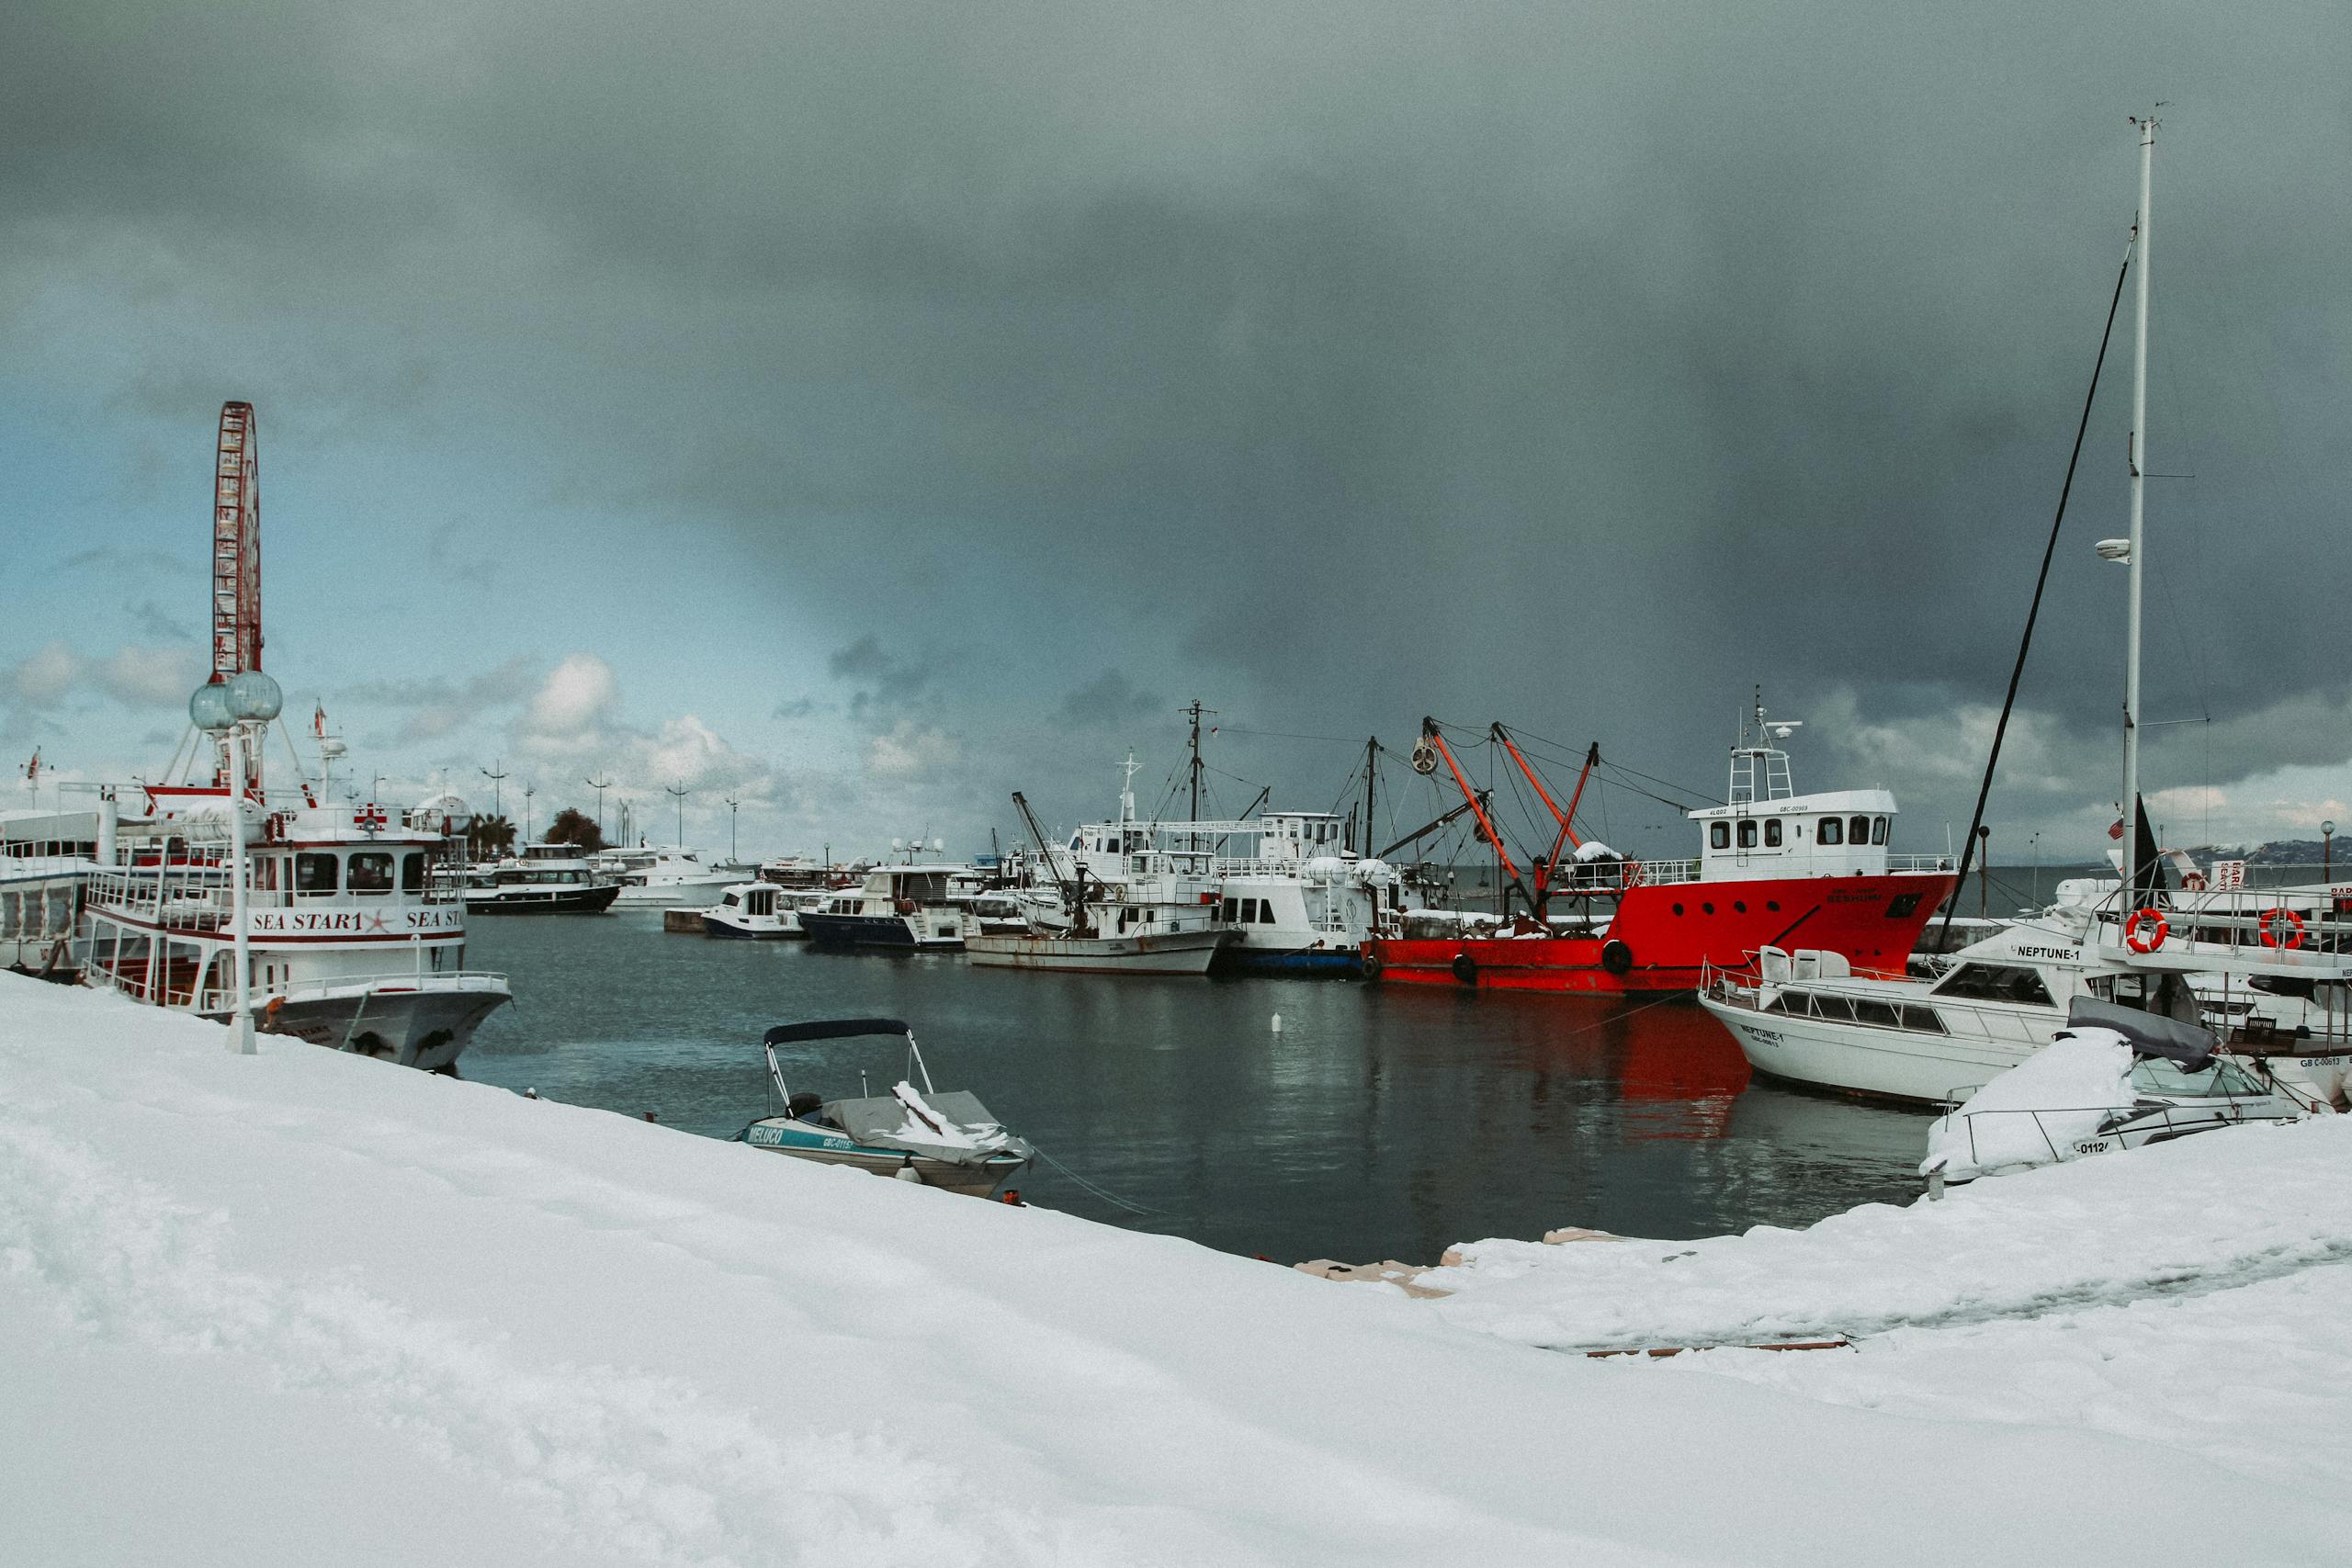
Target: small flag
(2117, 831)
(32, 769)
(318, 721)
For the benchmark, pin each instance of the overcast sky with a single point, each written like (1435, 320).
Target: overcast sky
(870, 410)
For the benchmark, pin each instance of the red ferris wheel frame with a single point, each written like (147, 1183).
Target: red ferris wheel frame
(236, 544)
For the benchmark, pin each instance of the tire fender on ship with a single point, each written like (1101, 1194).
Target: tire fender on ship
(1616, 957)
(1465, 968)
(1372, 965)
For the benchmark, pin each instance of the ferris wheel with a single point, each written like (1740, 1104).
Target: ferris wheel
(236, 544)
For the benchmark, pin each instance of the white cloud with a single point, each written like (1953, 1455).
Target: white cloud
(574, 703)
(135, 676)
(908, 753)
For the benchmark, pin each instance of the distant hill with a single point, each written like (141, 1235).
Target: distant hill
(2278, 852)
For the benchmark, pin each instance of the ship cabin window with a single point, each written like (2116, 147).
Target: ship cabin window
(267, 874)
(1833, 831)
(371, 871)
(1265, 911)
(1995, 983)
(1719, 835)
(413, 872)
(1773, 834)
(314, 873)
(1747, 834)
(1859, 830)
(1878, 829)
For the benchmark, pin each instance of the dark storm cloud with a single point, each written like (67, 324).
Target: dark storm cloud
(1576, 364)
(1110, 698)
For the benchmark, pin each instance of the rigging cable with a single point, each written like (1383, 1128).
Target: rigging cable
(2025, 643)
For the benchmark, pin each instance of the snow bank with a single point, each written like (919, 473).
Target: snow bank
(303, 1307)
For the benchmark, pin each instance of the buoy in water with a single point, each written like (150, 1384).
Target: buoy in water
(1278, 1023)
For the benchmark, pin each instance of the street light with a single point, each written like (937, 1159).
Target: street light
(225, 709)
(2326, 844)
(497, 801)
(731, 804)
(600, 786)
(679, 792)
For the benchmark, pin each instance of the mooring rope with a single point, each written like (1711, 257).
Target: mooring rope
(1110, 1198)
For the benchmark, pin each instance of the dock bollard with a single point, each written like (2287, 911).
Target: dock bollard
(1278, 1023)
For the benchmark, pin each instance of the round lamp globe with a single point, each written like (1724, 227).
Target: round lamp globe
(254, 696)
(207, 707)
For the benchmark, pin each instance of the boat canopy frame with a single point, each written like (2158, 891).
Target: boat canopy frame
(837, 1029)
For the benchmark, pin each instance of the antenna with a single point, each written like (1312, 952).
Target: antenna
(1194, 711)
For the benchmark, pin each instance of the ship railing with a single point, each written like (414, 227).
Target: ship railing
(223, 999)
(198, 896)
(2286, 925)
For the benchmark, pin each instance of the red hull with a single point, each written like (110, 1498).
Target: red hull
(1662, 936)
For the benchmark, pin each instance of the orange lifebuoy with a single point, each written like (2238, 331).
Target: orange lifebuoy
(2146, 930)
(2194, 882)
(1629, 876)
(2273, 919)
(905, 905)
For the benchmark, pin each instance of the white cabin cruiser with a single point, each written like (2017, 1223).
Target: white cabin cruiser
(1808, 1017)
(2114, 1078)
(1156, 912)
(760, 911)
(898, 905)
(665, 877)
(942, 1138)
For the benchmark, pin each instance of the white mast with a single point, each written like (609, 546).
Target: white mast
(2139, 464)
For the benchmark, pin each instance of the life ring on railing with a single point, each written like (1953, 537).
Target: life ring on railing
(1616, 957)
(2146, 930)
(2192, 882)
(2270, 922)
(1372, 965)
(1629, 876)
(1465, 968)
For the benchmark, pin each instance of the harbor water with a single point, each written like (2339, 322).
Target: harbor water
(1379, 1121)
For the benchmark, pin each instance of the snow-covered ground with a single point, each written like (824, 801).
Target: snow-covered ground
(303, 1308)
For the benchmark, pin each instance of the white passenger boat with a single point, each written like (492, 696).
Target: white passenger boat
(665, 877)
(350, 943)
(545, 879)
(942, 1138)
(46, 862)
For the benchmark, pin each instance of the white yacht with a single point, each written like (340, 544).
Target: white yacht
(665, 877)
(1807, 1017)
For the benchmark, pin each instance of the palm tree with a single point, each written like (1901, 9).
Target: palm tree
(489, 838)
(574, 826)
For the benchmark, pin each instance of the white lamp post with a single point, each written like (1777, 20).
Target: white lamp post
(225, 709)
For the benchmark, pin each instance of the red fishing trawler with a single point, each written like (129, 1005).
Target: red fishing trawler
(1774, 869)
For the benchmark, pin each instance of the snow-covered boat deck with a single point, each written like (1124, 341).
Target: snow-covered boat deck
(305, 1307)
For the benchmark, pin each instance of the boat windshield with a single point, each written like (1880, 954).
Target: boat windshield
(2217, 1079)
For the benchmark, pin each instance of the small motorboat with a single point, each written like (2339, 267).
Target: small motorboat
(757, 911)
(2115, 1078)
(943, 1138)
